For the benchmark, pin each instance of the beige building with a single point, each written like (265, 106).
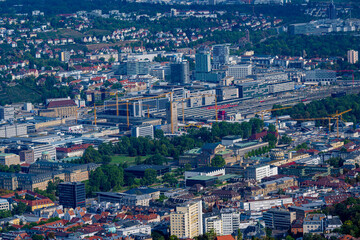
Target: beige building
(186, 222)
(352, 56)
(9, 159)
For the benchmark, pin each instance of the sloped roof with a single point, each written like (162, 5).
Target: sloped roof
(61, 103)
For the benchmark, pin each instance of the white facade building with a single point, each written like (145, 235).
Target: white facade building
(240, 71)
(259, 205)
(259, 172)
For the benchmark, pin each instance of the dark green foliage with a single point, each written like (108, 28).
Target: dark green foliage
(218, 161)
(105, 178)
(11, 169)
(170, 179)
(324, 108)
(315, 46)
(336, 162)
(149, 178)
(285, 139)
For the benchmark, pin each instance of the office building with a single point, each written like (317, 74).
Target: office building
(143, 131)
(9, 159)
(278, 218)
(6, 113)
(186, 221)
(179, 72)
(203, 61)
(324, 77)
(259, 172)
(314, 223)
(137, 67)
(240, 71)
(8, 131)
(221, 54)
(331, 11)
(125, 199)
(72, 194)
(264, 204)
(352, 56)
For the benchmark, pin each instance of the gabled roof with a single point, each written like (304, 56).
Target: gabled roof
(61, 103)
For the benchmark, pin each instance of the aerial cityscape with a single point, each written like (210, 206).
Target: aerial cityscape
(180, 119)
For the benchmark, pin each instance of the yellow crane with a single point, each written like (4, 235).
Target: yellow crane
(263, 112)
(336, 116)
(333, 116)
(313, 119)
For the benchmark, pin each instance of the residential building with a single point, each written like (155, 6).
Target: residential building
(186, 221)
(230, 220)
(215, 223)
(72, 194)
(278, 218)
(352, 57)
(4, 205)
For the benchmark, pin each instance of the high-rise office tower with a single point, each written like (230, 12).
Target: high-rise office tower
(332, 11)
(352, 56)
(221, 54)
(203, 61)
(72, 194)
(186, 222)
(179, 72)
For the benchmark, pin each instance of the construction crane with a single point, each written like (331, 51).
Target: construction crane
(336, 116)
(263, 112)
(117, 111)
(333, 116)
(313, 119)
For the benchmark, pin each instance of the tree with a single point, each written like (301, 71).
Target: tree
(239, 236)
(218, 161)
(149, 177)
(138, 160)
(37, 237)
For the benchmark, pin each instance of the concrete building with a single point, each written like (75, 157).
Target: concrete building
(221, 54)
(213, 222)
(205, 171)
(253, 89)
(314, 223)
(259, 172)
(352, 56)
(264, 204)
(9, 159)
(4, 205)
(278, 218)
(230, 220)
(324, 77)
(227, 93)
(240, 71)
(8, 131)
(186, 222)
(6, 113)
(124, 198)
(143, 131)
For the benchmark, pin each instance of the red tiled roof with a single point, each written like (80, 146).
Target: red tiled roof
(225, 237)
(61, 103)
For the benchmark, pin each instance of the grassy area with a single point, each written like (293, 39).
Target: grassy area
(122, 158)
